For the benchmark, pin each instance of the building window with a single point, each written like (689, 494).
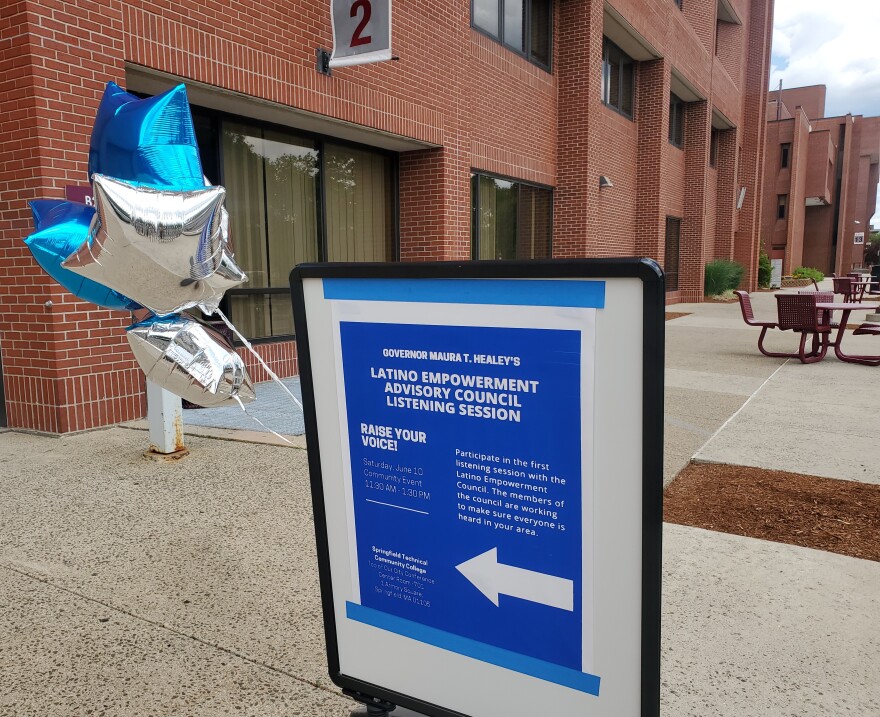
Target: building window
(509, 219)
(617, 78)
(524, 26)
(781, 204)
(784, 154)
(676, 120)
(672, 252)
(293, 198)
(714, 142)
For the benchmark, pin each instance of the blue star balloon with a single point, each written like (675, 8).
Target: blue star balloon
(42, 208)
(150, 142)
(61, 229)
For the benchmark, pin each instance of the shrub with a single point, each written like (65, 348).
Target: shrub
(806, 272)
(764, 270)
(722, 275)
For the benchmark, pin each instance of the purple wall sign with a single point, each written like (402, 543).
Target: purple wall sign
(76, 193)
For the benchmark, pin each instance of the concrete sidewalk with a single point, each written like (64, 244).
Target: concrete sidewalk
(752, 627)
(132, 587)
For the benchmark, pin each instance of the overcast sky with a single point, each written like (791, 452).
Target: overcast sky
(833, 43)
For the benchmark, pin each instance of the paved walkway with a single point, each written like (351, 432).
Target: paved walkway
(274, 409)
(133, 587)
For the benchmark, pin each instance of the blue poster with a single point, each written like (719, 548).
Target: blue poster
(465, 447)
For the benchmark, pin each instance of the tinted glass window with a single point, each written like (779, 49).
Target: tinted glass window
(511, 220)
(486, 16)
(618, 85)
(524, 26)
(676, 120)
(275, 181)
(672, 252)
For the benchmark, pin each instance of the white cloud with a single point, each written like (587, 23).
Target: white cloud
(816, 42)
(833, 44)
(781, 44)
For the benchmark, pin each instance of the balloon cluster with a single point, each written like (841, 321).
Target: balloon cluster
(156, 239)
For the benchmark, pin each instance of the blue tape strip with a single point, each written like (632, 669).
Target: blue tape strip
(512, 292)
(547, 671)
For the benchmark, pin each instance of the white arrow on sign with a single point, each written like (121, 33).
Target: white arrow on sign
(493, 578)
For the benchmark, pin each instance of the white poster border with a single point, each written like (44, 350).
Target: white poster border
(581, 320)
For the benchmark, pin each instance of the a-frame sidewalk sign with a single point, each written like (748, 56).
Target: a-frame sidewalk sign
(485, 448)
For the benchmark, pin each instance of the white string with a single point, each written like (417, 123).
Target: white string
(268, 370)
(259, 358)
(254, 418)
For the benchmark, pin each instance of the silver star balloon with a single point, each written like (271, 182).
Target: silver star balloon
(191, 360)
(167, 250)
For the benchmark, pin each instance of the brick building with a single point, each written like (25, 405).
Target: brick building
(506, 129)
(820, 182)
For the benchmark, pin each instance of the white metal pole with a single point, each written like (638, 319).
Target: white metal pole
(165, 416)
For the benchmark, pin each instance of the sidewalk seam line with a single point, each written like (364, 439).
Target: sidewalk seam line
(213, 436)
(163, 626)
(739, 410)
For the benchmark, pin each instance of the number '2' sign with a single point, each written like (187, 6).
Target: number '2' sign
(361, 31)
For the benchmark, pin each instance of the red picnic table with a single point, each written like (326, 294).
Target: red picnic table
(847, 308)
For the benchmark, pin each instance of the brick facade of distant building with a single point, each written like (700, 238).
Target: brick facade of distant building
(820, 182)
(458, 129)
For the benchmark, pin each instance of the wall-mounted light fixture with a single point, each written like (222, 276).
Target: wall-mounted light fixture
(604, 182)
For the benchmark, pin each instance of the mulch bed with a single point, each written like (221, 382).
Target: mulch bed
(670, 315)
(834, 515)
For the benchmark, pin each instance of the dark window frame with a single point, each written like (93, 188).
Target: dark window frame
(672, 268)
(527, 51)
(784, 155)
(676, 120)
(781, 206)
(612, 55)
(714, 144)
(216, 117)
(475, 208)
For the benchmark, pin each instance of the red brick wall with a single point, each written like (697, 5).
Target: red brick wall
(701, 17)
(618, 159)
(711, 213)
(280, 357)
(731, 43)
(726, 194)
(694, 230)
(483, 107)
(811, 99)
(578, 69)
(860, 198)
(521, 140)
(849, 166)
(857, 199)
(653, 114)
(726, 96)
(750, 165)
(797, 208)
(777, 181)
(818, 228)
(821, 163)
(672, 180)
(66, 367)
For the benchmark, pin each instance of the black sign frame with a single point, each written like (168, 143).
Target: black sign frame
(653, 364)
